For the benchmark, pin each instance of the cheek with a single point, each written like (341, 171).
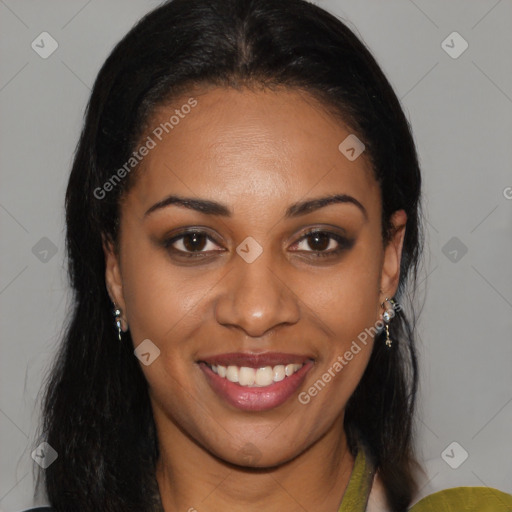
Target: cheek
(347, 302)
(158, 295)
(347, 298)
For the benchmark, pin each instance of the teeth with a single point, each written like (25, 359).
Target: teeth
(289, 370)
(246, 376)
(264, 376)
(279, 373)
(256, 377)
(232, 373)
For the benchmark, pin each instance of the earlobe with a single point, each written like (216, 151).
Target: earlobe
(392, 255)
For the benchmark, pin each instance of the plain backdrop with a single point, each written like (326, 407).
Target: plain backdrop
(459, 104)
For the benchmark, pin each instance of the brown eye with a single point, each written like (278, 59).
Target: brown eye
(319, 241)
(323, 243)
(194, 241)
(191, 243)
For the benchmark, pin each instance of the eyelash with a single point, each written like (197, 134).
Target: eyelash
(343, 243)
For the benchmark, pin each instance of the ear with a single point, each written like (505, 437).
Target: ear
(390, 274)
(113, 277)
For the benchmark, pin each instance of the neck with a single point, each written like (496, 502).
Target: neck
(192, 479)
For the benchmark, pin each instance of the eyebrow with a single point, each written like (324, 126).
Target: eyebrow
(209, 207)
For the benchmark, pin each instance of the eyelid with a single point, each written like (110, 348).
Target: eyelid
(329, 230)
(171, 239)
(343, 241)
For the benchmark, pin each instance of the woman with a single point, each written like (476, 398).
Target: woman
(243, 220)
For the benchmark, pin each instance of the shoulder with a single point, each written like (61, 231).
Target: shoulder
(465, 499)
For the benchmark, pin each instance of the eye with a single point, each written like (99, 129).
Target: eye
(324, 243)
(192, 243)
(197, 244)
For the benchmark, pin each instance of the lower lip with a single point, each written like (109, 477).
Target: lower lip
(256, 398)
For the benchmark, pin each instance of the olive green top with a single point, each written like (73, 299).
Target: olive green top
(359, 486)
(457, 499)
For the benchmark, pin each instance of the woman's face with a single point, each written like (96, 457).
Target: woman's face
(229, 286)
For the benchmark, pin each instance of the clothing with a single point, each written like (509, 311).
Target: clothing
(457, 499)
(364, 495)
(465, 499)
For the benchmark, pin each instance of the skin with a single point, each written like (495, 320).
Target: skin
(257, 152)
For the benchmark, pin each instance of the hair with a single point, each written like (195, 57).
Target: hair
(96, 409)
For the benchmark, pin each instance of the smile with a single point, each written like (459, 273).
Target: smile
(256, 377)
(255, 382)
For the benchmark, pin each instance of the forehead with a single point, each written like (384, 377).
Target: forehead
(250, 149)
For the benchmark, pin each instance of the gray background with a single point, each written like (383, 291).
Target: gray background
(460, 110)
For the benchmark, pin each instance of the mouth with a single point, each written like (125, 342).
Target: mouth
(255, 377)
(255, 382)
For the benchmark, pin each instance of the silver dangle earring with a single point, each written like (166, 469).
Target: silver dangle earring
(117, 315)
(388, 314)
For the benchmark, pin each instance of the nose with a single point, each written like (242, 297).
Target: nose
(256, 297)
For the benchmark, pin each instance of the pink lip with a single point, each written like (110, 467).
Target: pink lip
(256, 398)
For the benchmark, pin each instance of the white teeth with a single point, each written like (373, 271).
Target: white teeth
(279, 373)
(264, 376)
(246, 376)
(232, 373)
(289, 369)
(259, 377)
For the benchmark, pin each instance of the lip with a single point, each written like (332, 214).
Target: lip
(255, 399)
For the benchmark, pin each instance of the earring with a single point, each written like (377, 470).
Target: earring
(387, 316)
(117, 315)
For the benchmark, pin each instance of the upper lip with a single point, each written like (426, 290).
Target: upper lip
(255, 360)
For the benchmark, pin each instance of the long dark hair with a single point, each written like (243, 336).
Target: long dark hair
(97, 414)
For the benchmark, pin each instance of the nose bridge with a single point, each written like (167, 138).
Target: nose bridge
(256, 298)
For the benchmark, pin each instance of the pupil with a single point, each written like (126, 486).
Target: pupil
(320, 241)
(194, 241)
